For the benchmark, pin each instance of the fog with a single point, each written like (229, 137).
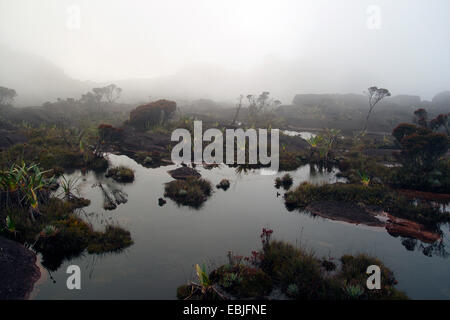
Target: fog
(220, 49)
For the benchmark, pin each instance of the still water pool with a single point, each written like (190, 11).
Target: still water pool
(170, 240)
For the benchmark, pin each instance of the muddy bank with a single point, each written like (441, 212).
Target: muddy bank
(347, 212)
(374, 217)
(134, 140)
(19, 271)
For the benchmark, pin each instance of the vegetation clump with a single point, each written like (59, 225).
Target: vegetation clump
(299, 274)
(421, 155)
(290, 161)
(54, 148)
(191, 192)
(369, 195)
(58, 233)
(323, 145)
(113, 239)
(24, 187)
(286, 181)
(224, 184)
(121, 174)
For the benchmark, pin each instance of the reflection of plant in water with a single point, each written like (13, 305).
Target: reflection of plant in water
(437, 248)
(108, 201)
(286, 181)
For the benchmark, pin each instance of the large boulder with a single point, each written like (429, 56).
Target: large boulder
(407, 228)
(18, 270)
(151, 114)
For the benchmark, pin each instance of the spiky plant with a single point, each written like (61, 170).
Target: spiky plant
(69, 186)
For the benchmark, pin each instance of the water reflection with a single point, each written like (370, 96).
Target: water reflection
(169, 239)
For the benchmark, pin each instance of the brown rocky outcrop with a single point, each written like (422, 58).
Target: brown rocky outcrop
(152, 113)
(407, 228)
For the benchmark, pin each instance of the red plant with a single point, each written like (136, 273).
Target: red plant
(265, 236)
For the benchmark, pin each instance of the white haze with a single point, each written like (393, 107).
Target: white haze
(220, 49)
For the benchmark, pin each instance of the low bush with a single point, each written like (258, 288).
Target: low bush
(190, 192)
(298, 274)
(286, 181)
(121, 174)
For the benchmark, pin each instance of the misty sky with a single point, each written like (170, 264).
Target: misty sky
(282, 46)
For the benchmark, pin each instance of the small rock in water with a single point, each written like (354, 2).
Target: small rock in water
(161, 202)
(223, 184)
(109, 205)
(183, 173)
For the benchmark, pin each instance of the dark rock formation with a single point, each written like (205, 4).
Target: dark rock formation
(406, 228)
(223, 184)
(161, 202)
(183, 173)
(151, 114)
(344, 211)
(18, 270)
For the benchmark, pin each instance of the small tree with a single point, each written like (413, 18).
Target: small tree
(7, 95)
(441, 121)
(421, 147)
(110, 93)
(258, 104)
(375, 95)
(421, 118)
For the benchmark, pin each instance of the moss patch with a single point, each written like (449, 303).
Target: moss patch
(121, 174)
(190, 192)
